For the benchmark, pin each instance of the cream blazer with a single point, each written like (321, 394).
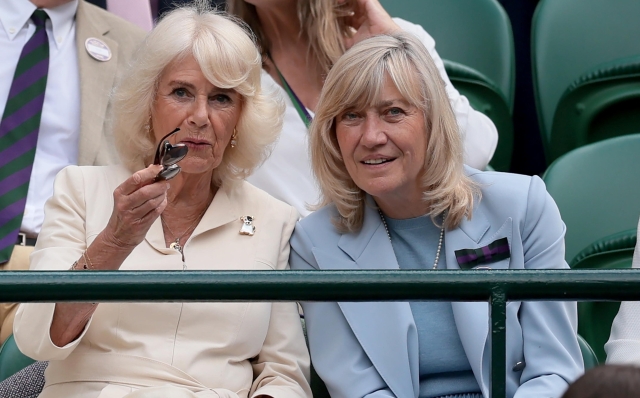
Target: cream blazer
(211, 349)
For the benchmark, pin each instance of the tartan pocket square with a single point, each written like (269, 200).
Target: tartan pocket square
(494, 251)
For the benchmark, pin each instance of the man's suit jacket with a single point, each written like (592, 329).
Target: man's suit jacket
(370, 349)
(97, 78)
(96, 144)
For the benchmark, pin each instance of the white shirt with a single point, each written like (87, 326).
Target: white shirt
(60, 124)
(287, 174)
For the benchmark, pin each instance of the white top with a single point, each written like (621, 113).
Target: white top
(288, 176)
(60, 123)
(623, 346)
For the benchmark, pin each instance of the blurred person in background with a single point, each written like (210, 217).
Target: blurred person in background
(60, 61)
(300, 41)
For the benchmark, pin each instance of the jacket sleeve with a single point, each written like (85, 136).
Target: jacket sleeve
(624, 343)
(549, 328)
(60, 243)
(282, 368)
(337, 356)
(479, 134)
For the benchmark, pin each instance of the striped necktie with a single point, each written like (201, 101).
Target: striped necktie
(19, 132)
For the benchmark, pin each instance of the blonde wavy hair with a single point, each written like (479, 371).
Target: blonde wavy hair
(228, 57)
(321, 22)
(355, 83)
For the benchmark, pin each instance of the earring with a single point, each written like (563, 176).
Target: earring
(234, 138)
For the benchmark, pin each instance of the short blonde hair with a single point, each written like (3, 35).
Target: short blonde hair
(355, 83)
(321, 22)
(228, 58)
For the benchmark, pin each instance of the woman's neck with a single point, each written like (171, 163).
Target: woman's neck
(290, 51)
(189, 195)
(281, 27)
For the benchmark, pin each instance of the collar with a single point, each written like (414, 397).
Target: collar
(15, 15)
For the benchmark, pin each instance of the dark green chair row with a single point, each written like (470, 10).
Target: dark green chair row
(586, 68)
(475, 40)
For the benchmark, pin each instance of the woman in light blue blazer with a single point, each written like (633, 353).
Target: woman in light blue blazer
(387, 154)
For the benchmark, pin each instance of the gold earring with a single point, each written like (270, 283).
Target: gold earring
(234, 138)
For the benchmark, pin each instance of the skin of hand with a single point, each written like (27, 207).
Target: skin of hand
(138, 202)
(369, 19)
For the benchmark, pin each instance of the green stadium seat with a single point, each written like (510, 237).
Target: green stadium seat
(11, 359)
(474, 33)
(588, 356)
(597, 189)
(485, 97)
(595, 317)
(586, 68)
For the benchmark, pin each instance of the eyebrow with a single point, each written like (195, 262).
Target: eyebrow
(382, 104)
(182, 83)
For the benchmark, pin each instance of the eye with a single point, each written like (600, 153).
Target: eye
(347, 116)
(180, 92)
(395, 111)
(221, 98)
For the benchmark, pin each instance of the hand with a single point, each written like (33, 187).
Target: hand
(138, 202)
(369, 19)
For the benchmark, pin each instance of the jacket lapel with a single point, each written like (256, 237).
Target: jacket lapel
(96, 81)
(385, 330)
(472, 318)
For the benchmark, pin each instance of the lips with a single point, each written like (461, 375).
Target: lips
(373, 161)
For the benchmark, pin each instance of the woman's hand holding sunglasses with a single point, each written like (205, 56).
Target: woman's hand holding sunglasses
(138, 202)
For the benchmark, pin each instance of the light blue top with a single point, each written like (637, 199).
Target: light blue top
(443, 365)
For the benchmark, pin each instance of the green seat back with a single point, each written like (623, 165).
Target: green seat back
(475, 33)
(572, 39)
(596, 188)
(11, 359)
(588, 356)
(596, 317)
(485, 97)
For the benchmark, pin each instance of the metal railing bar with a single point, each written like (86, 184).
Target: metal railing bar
(105, 286)
(498, 343)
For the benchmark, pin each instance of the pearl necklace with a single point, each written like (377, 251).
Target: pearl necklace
(435, 262)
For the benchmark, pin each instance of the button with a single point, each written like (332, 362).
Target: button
(59, 39)
(12, 30)
(518, 366)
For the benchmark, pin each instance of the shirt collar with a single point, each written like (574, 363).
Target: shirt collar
(15, 14)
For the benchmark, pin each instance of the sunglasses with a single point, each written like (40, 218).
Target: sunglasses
(168, 155)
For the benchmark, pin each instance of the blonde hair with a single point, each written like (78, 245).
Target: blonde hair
(355, 83)
(228, 58)
(321, 22)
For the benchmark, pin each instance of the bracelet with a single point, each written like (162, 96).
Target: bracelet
(87, 262)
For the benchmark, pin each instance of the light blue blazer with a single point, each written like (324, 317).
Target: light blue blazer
(371, 349)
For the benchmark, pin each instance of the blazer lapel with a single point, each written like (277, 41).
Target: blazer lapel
(96, 81)
(385, 330)
(472, 318)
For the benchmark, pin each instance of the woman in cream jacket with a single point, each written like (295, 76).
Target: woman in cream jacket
(199, 72)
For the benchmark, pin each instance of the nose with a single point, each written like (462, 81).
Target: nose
(199, 115)
(373, 133)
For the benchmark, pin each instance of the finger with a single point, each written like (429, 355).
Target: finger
(144, 194)
(153, 214)
(139, 179)
(148, 206)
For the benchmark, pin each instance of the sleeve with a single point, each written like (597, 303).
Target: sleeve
(549, 328)
(281, 370)
(624, 343)
(61, 242)
(479, 134)
(337, 356)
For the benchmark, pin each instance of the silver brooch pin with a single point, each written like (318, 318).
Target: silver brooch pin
(247, 227)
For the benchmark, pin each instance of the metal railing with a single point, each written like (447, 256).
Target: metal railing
(495, 286)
